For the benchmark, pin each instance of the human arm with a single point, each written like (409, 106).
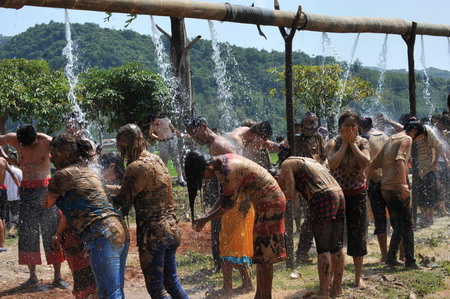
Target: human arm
(398, 127)
(151, 132)
(400, 165)
(286, 180)
(49, 199)
(113, 189)
(62, 227)
(133, 183)
(335, 157)
(215, 212)
(10, 138)
(361, 152)
(273, 146)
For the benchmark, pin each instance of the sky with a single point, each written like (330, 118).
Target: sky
(433, 52)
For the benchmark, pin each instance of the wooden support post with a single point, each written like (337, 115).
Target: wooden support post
(288, 38)
(410, 40)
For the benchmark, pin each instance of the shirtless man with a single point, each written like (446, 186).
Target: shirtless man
(4, 167)
(161, 129)
(249, 141)
(33, 149)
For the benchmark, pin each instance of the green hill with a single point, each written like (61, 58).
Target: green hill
(249, 80)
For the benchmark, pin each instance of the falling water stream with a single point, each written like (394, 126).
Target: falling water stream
(161, 56)
(382, 66)
(223, 84)
(69, 71)
(426, 89)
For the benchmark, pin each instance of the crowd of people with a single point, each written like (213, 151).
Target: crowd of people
(333, 181)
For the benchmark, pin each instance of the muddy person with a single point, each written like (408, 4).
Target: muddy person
(147, 185)
(4, 168)
(308, 143)
(13, 193)
(236, 232)
(33, 150)
(238, 177)
(162, 130)
(249, 141)
(327, 213)
(376, 139)
(80, 194)
(348, 157)
(393, 160)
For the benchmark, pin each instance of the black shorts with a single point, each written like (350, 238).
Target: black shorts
(3, 204)
(329, 235)
(356, 217)
(427, 190)
(378, 205)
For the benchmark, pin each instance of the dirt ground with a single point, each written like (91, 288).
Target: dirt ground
(12, 274)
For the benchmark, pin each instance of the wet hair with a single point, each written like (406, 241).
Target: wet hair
(366, 123)
(248, 122)
(135, 142)
(77, 118)
(406, 117)
(346, 115)
(262, 128)
(26, 134)
(12, 156)
(195, 122)
(279, 138)
(110, 158)
(445, 120)
(194, 167)
(151, 118)
(72, 149)
(414, 124)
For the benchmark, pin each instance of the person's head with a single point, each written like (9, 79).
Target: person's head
(415, 129)
(112, 167)
(435, 119)
(406, 117)
(195, 168)
(26, 134)
(348, 118)
(66, 149)
(130, 142)
(444, 122)
(366, 124)
(151, 118)
(75, 124)
(262, 129)
(248, 122)
(309, 124)
(197, 128)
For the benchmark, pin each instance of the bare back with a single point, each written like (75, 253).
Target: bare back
(34, 159)
(3, 165)
(221, 146)
(163, 128)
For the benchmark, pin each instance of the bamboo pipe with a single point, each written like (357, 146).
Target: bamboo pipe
(240, 14)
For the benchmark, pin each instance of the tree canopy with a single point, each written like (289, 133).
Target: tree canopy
(124, 94)
(31, 91)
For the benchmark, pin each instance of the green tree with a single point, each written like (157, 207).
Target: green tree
(31, 91)
(322, 90)
(124, 94)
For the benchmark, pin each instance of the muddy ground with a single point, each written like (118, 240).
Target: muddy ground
(12, 274)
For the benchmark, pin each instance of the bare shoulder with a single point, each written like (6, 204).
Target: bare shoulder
(41, 137)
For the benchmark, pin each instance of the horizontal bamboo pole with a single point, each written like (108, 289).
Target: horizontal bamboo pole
(239, 14)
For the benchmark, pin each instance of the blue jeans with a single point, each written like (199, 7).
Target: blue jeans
(159, 266)
(107, 258)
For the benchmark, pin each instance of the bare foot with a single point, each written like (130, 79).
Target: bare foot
(336, 292)
(360, 284)
(243, 290)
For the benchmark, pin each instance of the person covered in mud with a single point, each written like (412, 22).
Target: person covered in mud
(236, 230)
(308, 143)
(4, 168)
(348, 157)
(444, 162)
(147, 185)
(393, 160)
(306, 176)
(241, 177)
(162, 130)
(249, 141)
(33, 150)
(376, 139)
(81, 196)
(113, 169)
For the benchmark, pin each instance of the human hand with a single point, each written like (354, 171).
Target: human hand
(198, 224)
(56, 241)
(434, 167)
(405, 191)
